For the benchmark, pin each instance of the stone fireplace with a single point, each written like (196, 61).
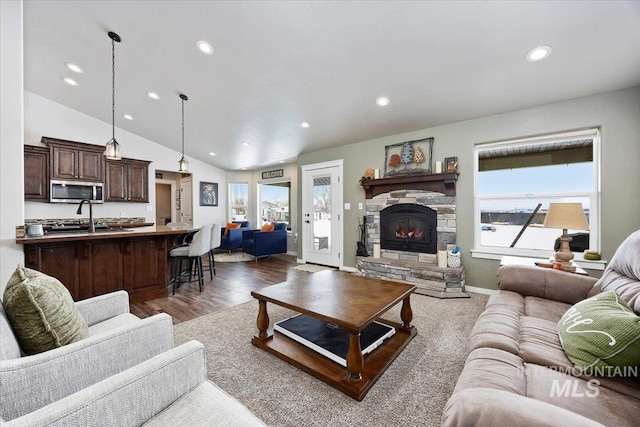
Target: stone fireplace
(411, 218)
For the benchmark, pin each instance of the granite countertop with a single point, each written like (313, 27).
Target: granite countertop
(105, 234)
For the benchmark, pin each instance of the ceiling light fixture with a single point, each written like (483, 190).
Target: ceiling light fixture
(304, 124)
(211, 153)
(153, 95)
(383, 101)
(539, 53)
(281, 161)
(73, 67)
(204, 47)
(70, 81)
(112, 149)
(245, 143)
(183, 164)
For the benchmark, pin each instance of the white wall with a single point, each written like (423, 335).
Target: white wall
(11, 125)
(44, 117)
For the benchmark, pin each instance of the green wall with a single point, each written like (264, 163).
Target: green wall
(616, 113)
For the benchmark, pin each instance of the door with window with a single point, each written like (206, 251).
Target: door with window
(322, 213)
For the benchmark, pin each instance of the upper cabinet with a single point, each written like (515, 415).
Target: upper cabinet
(75, 161)
(127, 180)
(36, 173)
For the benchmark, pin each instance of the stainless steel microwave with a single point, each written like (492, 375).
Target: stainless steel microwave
(75, 191)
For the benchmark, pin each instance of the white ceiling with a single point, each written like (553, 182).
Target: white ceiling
(277, 64)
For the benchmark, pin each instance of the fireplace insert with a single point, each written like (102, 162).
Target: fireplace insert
(409, 227)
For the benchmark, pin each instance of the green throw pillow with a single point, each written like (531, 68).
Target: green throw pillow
(601, 332)
(41, 312)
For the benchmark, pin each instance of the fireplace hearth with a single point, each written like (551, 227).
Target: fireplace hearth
(409, 227)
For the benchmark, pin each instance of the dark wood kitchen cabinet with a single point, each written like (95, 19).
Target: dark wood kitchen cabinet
(127, 180)
(75, 161)
(102, 264)
(36, 173)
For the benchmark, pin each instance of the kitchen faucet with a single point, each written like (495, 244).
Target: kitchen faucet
(92, 227)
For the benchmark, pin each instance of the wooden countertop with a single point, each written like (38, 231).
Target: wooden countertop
(132, 232)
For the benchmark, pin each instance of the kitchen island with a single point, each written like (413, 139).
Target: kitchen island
(91, 264)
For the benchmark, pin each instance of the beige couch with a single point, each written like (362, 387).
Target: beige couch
(517, 372)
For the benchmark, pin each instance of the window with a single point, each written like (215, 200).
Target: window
(238, 201)
(516, 181)
(274, 202)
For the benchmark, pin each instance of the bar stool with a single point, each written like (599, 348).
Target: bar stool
(216, 234)
(199, 246)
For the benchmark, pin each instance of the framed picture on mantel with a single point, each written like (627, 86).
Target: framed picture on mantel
(408, 158)
(451, 164)
(208, 193)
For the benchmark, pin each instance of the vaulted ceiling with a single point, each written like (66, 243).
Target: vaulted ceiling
(277, 64)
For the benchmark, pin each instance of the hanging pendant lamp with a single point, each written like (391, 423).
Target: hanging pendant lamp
(183, 164)
(112, 149)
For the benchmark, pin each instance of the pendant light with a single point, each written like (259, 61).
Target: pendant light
(112, 149)
(183, 164)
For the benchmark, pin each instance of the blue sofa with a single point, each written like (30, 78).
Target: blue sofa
(233, 239)
(260, 243)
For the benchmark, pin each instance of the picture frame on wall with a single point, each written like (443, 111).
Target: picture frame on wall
(408, 158)
(451, 164)
(208, 193)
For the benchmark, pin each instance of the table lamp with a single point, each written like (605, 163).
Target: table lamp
(565, 216)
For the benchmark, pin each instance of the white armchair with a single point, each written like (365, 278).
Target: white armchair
(117, 341)
(168, 390)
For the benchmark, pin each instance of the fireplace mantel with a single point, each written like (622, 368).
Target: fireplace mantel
(444, 183)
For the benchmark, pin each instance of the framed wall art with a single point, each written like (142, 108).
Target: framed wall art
(208, 193)
(451, 164)
(408, 158)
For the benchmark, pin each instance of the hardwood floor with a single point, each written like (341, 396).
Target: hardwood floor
(232, 285)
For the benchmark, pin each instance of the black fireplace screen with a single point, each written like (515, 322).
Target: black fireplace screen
(409, 227)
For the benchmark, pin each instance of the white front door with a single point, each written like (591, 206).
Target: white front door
(322, 213)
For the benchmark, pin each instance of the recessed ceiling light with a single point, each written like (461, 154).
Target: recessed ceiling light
(245, 143)
(73, 67)
(383, 101)
(211, 153)
(304, 124)
(539, 53)
(128, 116)
(153, 95)
(204, 47)
(70, 81)
(281, 161)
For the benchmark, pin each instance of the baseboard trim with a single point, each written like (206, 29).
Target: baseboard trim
(300, 261)
(483, 291)
(349, 269)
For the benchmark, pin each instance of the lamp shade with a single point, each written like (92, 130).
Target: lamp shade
(568, 216)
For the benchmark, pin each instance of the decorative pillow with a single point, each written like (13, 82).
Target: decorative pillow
(267, 226)
(230, 225)
(280, 226)
(601, 332)
(41, 312)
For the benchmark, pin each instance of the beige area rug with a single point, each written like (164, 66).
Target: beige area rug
(412, 392)
(312, 268)
(233, 257)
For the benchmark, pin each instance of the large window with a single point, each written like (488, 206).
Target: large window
(238, 201)
(275, 202)
(516, 181)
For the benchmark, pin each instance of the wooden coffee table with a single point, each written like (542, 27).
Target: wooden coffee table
(349, 301)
